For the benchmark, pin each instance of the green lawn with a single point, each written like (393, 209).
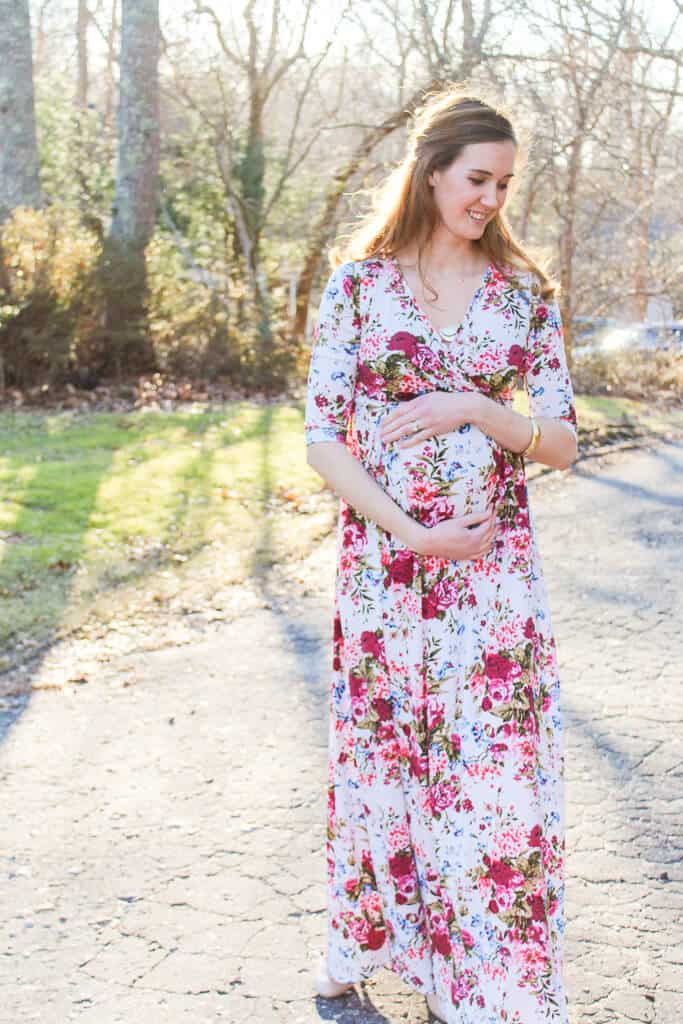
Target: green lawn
(93, 503)
(97, 504)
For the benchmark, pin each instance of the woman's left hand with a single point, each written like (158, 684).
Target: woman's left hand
(438, 412)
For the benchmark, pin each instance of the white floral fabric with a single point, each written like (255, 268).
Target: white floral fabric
(445, 849)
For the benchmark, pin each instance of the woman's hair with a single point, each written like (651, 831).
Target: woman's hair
(403, 209)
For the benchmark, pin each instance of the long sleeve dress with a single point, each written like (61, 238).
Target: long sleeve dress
(445, 841)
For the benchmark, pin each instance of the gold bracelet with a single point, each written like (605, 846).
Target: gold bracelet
(535, 438)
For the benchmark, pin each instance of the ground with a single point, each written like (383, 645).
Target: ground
(166, 795)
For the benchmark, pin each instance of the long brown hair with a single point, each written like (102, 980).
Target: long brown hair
(403, 210)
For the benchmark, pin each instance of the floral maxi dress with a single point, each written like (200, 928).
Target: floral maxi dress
(445, 848)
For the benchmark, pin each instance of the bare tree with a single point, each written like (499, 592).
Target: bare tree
(262, 55)
(82, 20)
(105, 19)
(19, 164)
(449, 43)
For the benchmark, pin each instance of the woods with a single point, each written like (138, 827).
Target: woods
(172, 175)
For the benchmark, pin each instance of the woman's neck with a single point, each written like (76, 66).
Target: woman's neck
(446, 256)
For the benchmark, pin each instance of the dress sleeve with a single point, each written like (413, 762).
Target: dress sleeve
(334, 358)
(547, 379)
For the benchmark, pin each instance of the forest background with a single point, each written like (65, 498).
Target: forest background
(169, 193)
(172, 175)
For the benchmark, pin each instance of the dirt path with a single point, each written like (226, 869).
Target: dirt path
(164, 859)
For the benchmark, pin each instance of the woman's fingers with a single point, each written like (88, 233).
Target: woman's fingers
(413, 439)
(476, 520)
(405, 431)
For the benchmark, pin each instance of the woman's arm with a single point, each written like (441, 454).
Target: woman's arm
(464, 537)
(557, 446)
(440, 411)
(551, 402)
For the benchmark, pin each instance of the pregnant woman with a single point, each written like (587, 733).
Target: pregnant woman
(445, 850)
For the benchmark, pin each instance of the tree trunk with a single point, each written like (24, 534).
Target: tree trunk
(82, 19)
(135, 196)
(19, 164)
(567, 245)
(110, 74)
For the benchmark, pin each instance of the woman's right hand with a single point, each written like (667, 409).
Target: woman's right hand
(459, 538)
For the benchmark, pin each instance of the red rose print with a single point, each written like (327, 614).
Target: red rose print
(537, 908)
(486, 703)
(383, 709)
(502, 874)
(520, 495)
(372, 644)
(354, 534)
(441, 943)
(496, 666)
(418, 766)
(402, 569)
(376, 938)
(529, 628)
(439, 598)
(357, 686)
(542, 313)
(535, 836)
(401, 864)
(516, 355)
(373, 384)
(405, 342)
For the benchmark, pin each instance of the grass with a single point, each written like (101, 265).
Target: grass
(98, 507)
(93, 503)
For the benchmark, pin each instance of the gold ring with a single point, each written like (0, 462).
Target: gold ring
(417, 426)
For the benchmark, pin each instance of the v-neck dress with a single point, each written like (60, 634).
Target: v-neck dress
(445, 840)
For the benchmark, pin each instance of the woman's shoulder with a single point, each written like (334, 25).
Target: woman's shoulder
(525, 282)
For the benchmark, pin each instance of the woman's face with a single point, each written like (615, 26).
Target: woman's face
(471, 190)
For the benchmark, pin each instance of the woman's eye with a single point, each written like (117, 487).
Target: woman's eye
(477, 181)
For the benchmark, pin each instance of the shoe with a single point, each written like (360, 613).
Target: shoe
(327, 987)
(436, 1007)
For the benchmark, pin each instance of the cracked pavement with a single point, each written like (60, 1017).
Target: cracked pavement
(162, 855)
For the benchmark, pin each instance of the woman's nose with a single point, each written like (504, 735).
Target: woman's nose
(489, 197)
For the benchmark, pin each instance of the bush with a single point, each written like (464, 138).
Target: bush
(54, 327)
(633, 373)
(47, 302)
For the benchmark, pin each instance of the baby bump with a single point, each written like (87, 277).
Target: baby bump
(447, 475)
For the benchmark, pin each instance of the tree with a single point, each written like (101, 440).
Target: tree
(82, 20)
(136, 187)
(19, 166)
(275, 46)
(448, 41)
